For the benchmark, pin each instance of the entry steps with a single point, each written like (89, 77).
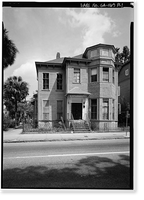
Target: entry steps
(80, 126)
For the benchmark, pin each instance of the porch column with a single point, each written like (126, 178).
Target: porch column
(68, 105)
(85, 109)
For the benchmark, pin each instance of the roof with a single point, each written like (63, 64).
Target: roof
(58, 60)
(78, 56)
(77, 90)
(99, 45)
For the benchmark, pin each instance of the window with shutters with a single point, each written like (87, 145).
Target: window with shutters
(45, 110)
(59, 109)
(59, 81)
(45, 80)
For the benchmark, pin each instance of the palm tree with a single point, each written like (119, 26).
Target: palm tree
(15, 91)
(9, 50)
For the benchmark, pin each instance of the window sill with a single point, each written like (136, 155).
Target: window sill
(76, 83)
(105, 81)
(59, 90)
(45, 90)
(94, 82)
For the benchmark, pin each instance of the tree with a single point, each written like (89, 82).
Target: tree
(9, 50)
(15, 91)
(124, 56)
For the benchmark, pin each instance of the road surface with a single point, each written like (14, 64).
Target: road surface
(68, 164)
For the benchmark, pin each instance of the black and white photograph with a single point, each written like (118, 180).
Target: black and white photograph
(67, 95)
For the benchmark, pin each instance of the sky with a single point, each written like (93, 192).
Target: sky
(39, 33)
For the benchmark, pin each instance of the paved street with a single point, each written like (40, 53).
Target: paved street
(69, 164)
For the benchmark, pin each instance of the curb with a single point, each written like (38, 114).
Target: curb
(61, 140)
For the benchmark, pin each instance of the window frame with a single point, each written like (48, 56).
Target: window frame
(113, 76)
(94, 78)
(106, 73)
(113, 109)
(44, 110)
(104, 52)
(45, 81)
(107, 109)
(126, 72)
(59, 81)
(94, 109)
(76, 77)
(60, 112)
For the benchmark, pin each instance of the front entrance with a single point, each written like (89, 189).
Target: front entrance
(76, 110)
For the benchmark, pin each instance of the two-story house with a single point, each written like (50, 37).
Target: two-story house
(83, 88)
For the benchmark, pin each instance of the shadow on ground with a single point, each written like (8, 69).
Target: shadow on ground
(88, 173)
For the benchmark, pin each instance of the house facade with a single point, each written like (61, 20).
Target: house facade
(124, 91)
(124, 82)
(84, 87)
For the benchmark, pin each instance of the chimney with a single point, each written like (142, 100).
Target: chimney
(57, 55)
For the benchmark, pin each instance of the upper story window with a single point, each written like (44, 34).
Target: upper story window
(113, 77)
(94, 75)
(45, 80)
(105, 74)
(59, 81)
(104, 52)
(94, 53)
(126, 72)
(76, 75)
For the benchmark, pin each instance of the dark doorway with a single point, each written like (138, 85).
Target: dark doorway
(77, 110)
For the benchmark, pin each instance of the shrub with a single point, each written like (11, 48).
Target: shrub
(6, 122)
(12, 123)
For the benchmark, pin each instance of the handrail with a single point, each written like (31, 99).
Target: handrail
(63, 123)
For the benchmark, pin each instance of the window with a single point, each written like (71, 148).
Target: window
(118, 91)
(105, 109)
(59, 109)
(94, 53)
(59, 81)
(126, 72)
(45, 80)
(94, 75)
(104, 52)
(93, 108)
(113, 76)
(76, 75)
(113, 110)
(106, 74)
(45, 110)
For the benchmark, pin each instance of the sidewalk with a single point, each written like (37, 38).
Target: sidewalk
(16, 135)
